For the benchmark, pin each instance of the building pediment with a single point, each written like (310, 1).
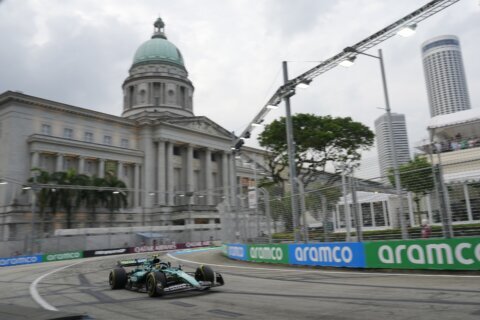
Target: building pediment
(200, 124)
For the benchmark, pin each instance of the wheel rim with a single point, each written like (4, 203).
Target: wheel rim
(110, 279)
(150, 285)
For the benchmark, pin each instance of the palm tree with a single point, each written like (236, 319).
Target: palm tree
(66, 197)
(43, 196)
(116, 199)
(94, 198)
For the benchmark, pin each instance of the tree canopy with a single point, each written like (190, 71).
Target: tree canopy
(415, 176)
(70, 199)
(319, 140)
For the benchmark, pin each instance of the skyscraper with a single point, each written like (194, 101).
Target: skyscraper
(445, 75)
(385, 147)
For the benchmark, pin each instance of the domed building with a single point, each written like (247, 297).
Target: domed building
(177, 167)
(158, 79)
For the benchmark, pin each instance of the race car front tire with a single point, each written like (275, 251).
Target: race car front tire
(155, 283)
(117, 278)
(204, 273)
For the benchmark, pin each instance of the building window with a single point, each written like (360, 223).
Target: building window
(107, 140)
(68, 133)
(196, 154)
(89, 165)
(124, 143)
(176, 151)
(46, 129)
(213, 157)
(88, 136)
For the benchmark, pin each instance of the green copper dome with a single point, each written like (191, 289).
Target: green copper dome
(158, 49)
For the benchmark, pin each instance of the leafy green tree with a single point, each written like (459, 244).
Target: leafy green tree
(319, 141)
(415, 176)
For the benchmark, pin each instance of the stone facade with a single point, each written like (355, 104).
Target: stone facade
(177, 166)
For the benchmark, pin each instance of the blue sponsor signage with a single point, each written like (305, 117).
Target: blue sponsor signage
(13, 261)
(237, 251)
(338, 254)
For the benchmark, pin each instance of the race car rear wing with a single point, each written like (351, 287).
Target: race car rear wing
(131, 262)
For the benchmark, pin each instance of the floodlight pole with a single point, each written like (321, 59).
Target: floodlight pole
(291, 156)
(396, 171)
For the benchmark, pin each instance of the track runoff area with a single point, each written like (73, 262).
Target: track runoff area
(252, 290)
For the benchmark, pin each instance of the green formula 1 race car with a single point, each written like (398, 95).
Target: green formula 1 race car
(156, 277)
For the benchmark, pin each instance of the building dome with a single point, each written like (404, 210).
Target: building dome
(158, 50)
(158, 81)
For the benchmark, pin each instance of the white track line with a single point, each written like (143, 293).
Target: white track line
(329, 272)
(34, 292)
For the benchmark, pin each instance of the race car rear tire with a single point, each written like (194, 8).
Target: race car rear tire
(155, 283)
(204, 273)
(117, 278)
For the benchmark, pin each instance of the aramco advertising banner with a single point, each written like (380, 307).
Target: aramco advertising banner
(237, 251)
(62, 256)
(13, 261)
(340, 254)
(447, 254)
(271, 253)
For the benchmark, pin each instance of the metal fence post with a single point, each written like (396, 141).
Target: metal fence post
(444, 204)
(268, 217)
(346, 208)
(358, 227)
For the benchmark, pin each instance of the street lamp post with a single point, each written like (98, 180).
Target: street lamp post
(291, 157)
(35, 188)
(396, 171)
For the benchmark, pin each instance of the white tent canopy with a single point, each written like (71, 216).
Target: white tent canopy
(456, 118)
(367, 197)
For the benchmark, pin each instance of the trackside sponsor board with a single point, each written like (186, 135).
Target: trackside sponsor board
(237, 251)
(160, 247)
(104, 252)
(271, 253)
(62, 256)
(448, 254)
(13, 261)
(342, 254)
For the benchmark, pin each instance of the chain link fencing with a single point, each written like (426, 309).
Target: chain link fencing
(439, 201)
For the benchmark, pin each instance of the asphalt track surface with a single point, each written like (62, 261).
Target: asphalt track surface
(252, 291)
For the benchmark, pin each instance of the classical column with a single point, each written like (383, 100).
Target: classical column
(59, 166)
(148, 166)
(120, 173)
(208, 176)
(161, 173)
(225, 175)
(101, 168)
(35, 158)
(170, 182)
(81, 164)
(136, 186)
(189, 167)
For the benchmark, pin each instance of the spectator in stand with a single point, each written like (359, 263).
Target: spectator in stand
(454, 145)
(438, 147)
(472, 142)
(426, 229)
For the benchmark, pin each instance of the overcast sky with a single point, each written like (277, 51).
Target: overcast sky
(79, 53)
